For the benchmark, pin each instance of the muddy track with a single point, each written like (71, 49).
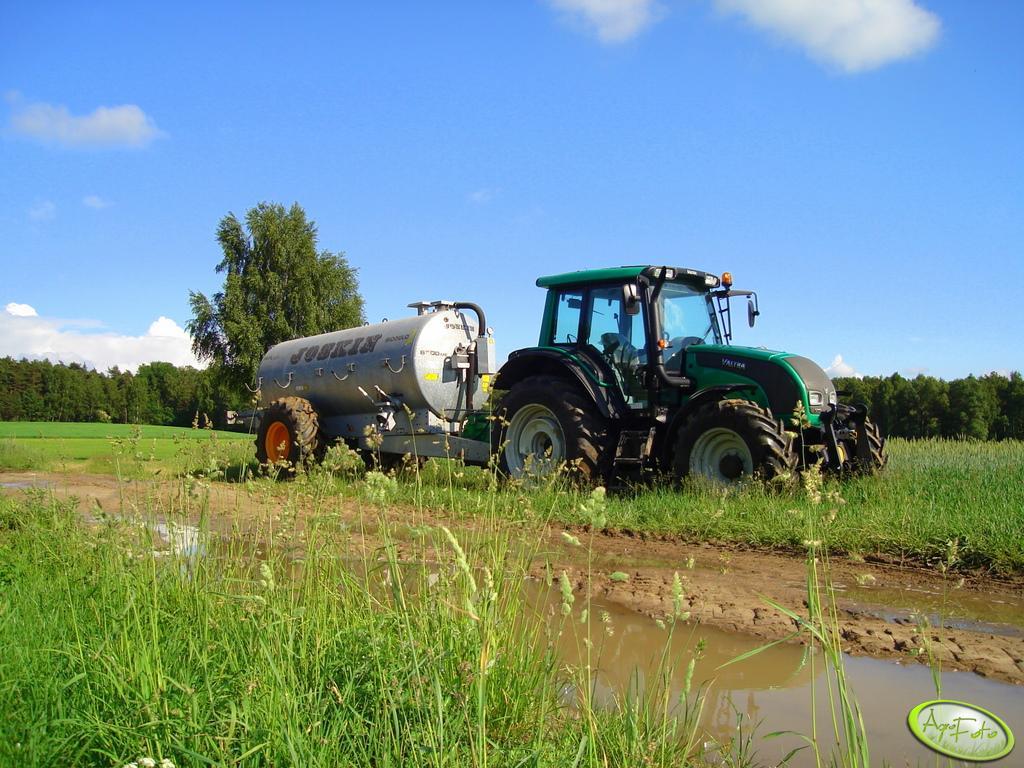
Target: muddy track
(974, 624)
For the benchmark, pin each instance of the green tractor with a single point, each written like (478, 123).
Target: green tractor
(634, 371)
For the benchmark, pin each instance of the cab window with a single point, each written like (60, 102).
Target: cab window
(567, 317)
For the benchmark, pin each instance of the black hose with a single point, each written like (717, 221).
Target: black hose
(479, 315)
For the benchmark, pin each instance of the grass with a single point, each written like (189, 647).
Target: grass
(116, 449)
(297, 646)
(69, 430)
(936, 496)
(112, 648)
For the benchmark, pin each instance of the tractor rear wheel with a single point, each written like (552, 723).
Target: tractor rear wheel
(545, 421)
(289, 433)
(868, 454)
(729, 440)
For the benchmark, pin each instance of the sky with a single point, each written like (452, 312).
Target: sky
(858, 163)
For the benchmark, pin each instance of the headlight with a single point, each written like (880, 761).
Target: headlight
(833, 398)
(816, 398)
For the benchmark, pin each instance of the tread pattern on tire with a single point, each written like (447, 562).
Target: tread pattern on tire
(771, 447)
(876, 448)
(303, 424)
(586, 431)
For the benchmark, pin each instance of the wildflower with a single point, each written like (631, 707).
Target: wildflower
(690, 667)
(165, 763)
(567, 597)
(267, 582)
(147, 762)
(690, 562)
(659, 623)
(677, 594)
(584, 615)
(593, 508)
(568, 538)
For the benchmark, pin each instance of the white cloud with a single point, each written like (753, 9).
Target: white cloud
(23, 333)
(856, 35)
(43, 211)
(95, 201)
(613, 21)
(21, 310)
(122, 126)
(840, 367)
(482, 196)
(912, 371)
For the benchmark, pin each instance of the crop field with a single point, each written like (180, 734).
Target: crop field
(112, 448)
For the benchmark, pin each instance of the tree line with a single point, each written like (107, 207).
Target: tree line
(989, 407)
(986, 408)
(158, 393)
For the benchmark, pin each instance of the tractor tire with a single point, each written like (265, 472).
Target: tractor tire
(868, 454)
(545, 421)
(729, 440)
(289, 434)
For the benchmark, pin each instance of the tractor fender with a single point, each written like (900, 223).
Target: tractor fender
(552, 361)
(698, 399)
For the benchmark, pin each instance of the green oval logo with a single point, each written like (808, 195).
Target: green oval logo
(961, 730)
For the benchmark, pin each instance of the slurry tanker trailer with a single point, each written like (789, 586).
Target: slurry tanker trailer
(634, 370)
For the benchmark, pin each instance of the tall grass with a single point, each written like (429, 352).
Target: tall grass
(934, 493)
(290, 647)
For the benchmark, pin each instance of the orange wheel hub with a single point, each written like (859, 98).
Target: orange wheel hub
(278, 442)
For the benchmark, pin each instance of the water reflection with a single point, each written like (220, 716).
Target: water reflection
(772, 689)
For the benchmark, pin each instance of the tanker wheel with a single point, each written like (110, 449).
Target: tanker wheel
(867, 453)
(545, 421)
(289, 433)
(729, 440)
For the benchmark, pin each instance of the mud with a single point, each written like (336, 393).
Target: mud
(884, 611)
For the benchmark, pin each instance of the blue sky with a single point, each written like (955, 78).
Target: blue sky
(860, 163)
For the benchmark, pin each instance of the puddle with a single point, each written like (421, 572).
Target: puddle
(996, 614)
(23, 484)
(772, 689)
(184, 540)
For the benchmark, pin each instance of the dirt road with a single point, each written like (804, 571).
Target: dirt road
(974, 624)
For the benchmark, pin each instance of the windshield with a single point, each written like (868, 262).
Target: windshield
(686, 316)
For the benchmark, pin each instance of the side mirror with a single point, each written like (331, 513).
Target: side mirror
(752, 312)
(631, 299)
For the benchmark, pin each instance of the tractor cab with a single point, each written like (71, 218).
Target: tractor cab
(639, 321)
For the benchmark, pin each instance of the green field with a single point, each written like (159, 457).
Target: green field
(940, 501)
(125, 449)
(66, 431)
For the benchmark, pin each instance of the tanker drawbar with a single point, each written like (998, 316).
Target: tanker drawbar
(411, 382)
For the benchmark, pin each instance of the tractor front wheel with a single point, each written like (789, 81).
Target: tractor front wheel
(867, 452)
(289, 433)
(729, 440)
(545, 421)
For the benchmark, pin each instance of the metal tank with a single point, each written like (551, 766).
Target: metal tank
(412, 375)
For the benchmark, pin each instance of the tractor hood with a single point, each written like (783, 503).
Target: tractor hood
(784, 377)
